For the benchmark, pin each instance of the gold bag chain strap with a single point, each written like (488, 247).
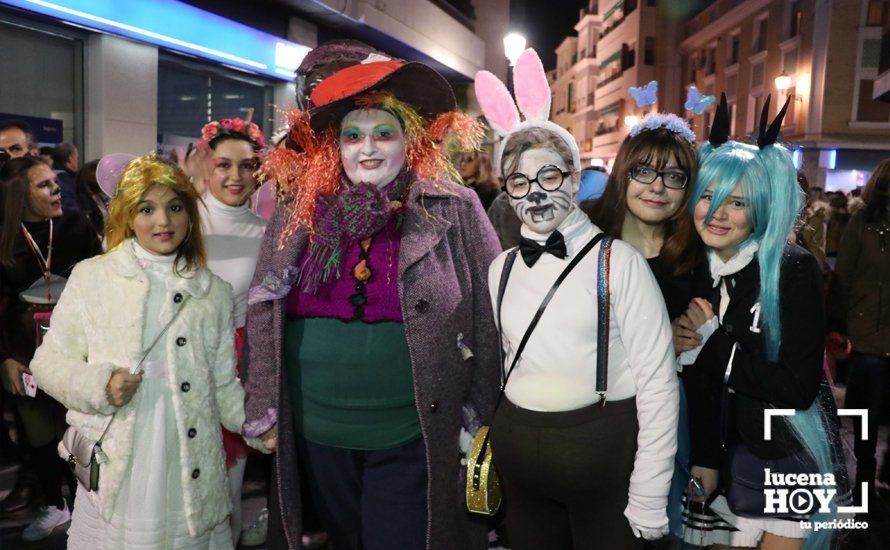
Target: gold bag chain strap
(505, 274)
(144, 356)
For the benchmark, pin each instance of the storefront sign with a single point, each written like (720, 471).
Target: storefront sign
(178, 26)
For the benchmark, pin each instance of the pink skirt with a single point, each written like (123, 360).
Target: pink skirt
(233, 443)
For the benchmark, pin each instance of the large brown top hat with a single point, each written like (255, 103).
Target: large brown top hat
(413, 83)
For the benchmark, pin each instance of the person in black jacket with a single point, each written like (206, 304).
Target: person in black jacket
(763, 333)
(39, 245)
(646, 204)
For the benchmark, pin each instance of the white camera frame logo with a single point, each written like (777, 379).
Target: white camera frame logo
(768, 415)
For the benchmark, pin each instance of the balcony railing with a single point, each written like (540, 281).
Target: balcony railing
(612, 78)
(603, 130)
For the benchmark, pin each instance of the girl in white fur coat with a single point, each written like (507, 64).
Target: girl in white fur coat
(164, 484)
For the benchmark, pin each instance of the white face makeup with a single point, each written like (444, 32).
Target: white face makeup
(373, 148)
(541, 210)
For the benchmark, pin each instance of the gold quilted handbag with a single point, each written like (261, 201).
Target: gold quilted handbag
(483, 483)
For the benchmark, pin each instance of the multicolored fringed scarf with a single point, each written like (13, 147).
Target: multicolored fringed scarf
(357, 213)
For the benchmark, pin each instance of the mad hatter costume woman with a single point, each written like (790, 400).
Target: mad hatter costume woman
(372, 343)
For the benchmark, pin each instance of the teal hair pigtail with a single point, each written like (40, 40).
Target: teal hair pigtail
(768, 182)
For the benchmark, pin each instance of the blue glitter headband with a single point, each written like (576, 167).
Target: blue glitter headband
(668, 121)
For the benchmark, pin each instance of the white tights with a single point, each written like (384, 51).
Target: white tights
(236, 479)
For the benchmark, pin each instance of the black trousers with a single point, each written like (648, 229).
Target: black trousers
(369, 500)
(565, 475)
(868, 387)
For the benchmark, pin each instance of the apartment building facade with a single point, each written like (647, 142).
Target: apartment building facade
(619, 44)
(824, 54)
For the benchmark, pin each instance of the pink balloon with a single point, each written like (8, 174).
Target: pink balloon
(109, 171)
(264, 201)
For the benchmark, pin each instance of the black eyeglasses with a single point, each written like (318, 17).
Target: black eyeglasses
(549, 178)
(671, 178)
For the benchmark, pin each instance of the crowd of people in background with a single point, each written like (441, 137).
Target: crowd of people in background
(713, 242)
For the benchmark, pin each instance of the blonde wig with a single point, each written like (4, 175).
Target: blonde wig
(141, 175)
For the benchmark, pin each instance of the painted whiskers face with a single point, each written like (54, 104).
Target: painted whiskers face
(542, 210)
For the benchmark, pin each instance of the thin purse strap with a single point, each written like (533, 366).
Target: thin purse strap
(147, 351)
(502, 286)
(534, 322)
(602, 331)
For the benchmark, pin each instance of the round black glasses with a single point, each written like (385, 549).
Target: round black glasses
(549, 178)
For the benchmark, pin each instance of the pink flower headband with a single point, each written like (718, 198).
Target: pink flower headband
(228, 126)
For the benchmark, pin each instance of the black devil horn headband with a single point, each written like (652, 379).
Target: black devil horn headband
(768, 136)
(720, 127)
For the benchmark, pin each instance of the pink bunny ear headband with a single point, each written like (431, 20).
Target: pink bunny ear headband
(533, 98)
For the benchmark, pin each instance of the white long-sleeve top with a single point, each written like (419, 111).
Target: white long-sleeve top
(557, 370)
(232, 239)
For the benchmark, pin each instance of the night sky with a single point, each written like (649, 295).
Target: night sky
(545, 23)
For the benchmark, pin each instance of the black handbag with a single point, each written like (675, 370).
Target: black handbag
(744, 473)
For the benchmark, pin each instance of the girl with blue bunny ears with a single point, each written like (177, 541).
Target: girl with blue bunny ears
(763, 337)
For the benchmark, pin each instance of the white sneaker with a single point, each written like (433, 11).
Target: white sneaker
(50, 517)
(255, 533)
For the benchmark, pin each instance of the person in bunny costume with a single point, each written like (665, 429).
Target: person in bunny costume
(585, 431)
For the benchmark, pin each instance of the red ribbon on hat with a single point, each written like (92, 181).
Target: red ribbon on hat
(352, 80)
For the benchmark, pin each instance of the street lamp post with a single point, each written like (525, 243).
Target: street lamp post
(514, 45)
(783, 82)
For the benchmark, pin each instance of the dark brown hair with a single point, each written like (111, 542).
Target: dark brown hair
(876, 194)
(15, 185)
(682, 245)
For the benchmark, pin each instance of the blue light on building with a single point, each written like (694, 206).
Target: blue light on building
(180, 27)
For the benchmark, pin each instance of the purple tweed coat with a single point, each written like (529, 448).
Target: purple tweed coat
(446, 248)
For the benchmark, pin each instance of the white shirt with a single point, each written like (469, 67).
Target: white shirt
(557, 370)
(232, 239)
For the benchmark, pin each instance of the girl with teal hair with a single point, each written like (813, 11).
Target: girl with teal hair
(763, 336)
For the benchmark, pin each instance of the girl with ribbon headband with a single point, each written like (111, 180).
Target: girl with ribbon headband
(224, 166)
(39, 244)
(141, 352)
(585, 433)
(372, 344)
(762, 349)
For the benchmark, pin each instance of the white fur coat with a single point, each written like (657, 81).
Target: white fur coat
(97, 327)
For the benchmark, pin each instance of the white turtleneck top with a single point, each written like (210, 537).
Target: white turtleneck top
(161, 276)
(232, 239)
(557, 370)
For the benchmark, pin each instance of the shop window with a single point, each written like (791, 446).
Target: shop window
(42, 77)
(191, 95)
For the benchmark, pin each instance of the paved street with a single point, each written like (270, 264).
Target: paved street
(877, 537)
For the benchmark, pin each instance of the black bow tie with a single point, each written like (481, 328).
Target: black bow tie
(531, 250)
